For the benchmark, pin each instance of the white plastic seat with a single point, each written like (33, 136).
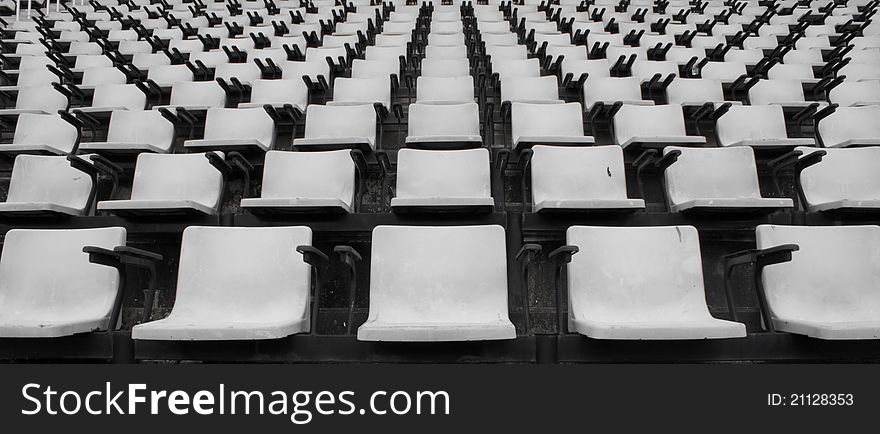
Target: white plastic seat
(757, 126)
(37, 100)
(246, 73)
(609, 90)
(237, 284)
(445, 67)
(278, 93)
(446, 39)
(860, 72)
(362, 91)
(652, 125)
(299, 182)
(342, 126)
(170, 184)
(845, 180)
(696, 92)
(438, 181)
(566, 178)
(787, 93)
(640, 283)
(452, 288)
(196, 96)
(96, 76)
(445, 89)
(71, 296)
(110, 97)
(375, 68)
(41, 134)
(828, 289)
(297, 70)
(132, 132)
(530, 89)
(716, 179)
(547, 124)
(727, 72)
(45, 186)
(850, 126)
(440, 125)
(446, 52)
(236, 129)
(508, 69)
(167, 75)
(855, 93)
(505, 51)
(793, 71)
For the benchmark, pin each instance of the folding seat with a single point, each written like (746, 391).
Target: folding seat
(808, 42)
(334, 40)
(228, 129)
(689, 92)
(850, 126)
(531, 89)
(645, 126)
(662, 298)
(444, 125)
(715, 180)
(132, 132)
(507, 69)
(446, 52)
(445, 67)
(506, 52)
(827, 289)
(566, 179)
(43, 185)
(609, 90)
(277, 93)
(860, 72)
(110, 97)
(809, 57)
(447, 27)
(216, 265)
(445, 89)
(71, 296)
(337, 55)
(96, 76)
(315, 70)
(760, 43)
(792, 71)
(746, 57)
(41, 134)
(787, 93)
(40, 76)
(443, 181)
(171, 184)
(246, 73)
(855, 93)
(90, 61)
(869, 56)
(727, 72)
(362, 91)
(839, 179)
(757, 126)
(550, 124)
(211, 59)
(166, 75)
(646, 70)
(145, 61)
(341, 126)
(453, 288)
(135, 47)
(575, 70)
(195, 96)
(707, 42)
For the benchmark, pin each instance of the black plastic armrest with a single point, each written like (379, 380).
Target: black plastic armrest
(360, 162)
(645, 158)
(71, 119)
(348, 255)
(313, 256)
(384, 161)
(240, 163)
(786, 160)
(102, 256)
(528, 253)
(806, 112)
(563, 254)
(133, 252)
(812, 158)
(667, 159)
(219, 163)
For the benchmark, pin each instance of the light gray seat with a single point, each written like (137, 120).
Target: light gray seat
(331, 127)
(442, 181)
(844, 180)
(41, 134)
(442, 125)
(42, 185)
(228, 129)
(636, 125)
(132, 132)
(548, 124)
(850, 126)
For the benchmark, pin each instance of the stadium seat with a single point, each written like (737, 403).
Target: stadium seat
(445, 67)
(43, 185)
(716, 179)
(566, 178)
(362, 91)
(110, 97)
(249, 129)
(453, 287)
(530, 89)
(302, 182)
(850, 126)
(131, 132)
(757, 126)
(443, 181)
(547, 124)
(827, 289)
(72, 296)
(609, 90)
(640, 283)
(171, 184)
(646, 126)
(857, 93)
(37, 100)
(195, 96)
(445, 89)
(277, 93)
(841, 179)
(41, 134)
(444, 126)
(237, 284)
(335, 127)
(787, 93)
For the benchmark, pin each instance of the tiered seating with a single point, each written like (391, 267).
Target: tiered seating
(451, 141)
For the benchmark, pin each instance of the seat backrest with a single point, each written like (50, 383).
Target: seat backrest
(439, 119)
(648, 121)
(243, 123)
(724, 71)
(624, 274)
(168, 74)
(177, 177)
(530, 89)
(71, 288)
(446, 52)
(831, 278)
(558, 120)
(791, 71)
(712, 173)
(52, 130)
(776, 91)
(374, 68)
(443, 174)
(445, 67)
(506, 51)
(48, 179)
(751, 122)
(852, 92)
(280, 91)
(362, 90)
(450, 274)
(577, 173)
(36, 77)
(99, 75)
(445, 89)
(611, 89)
(148, 60)
(141, 127)
(207, 93)
(314, 69)
(245, 72)
(127, 96)
(243, 273)
(446, 39)
(507, 69)
(842, 174)
(324, 121)
(694, 90)
(92, 61)
(313, 175)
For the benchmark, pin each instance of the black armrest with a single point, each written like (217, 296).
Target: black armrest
(761, 258)
(219, 163)
(349, 257)
(118, 258)
(313, 256)
(561, 258)
(132, 252)
(528, 253)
